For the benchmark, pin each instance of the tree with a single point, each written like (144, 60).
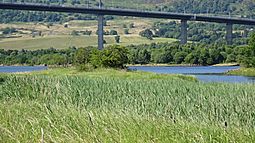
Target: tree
(115, 56)
(252, 40)
(231, 58)
(126, 31)
(117, 39)
(179, 57)
(113, 32)
(147, 33)
(82, 56)
(144, 56)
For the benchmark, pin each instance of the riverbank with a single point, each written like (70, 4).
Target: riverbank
(180, 65)
(243, 72)
(64, 105)
(226, 64)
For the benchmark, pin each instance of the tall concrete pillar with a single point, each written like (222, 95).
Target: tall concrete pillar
(184, 30)
(100, 32)
(229, 33)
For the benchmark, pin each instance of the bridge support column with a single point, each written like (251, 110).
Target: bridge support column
(184, 30)
(229, 34)
(100, 32)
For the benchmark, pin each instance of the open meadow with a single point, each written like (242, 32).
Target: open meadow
(64, 105)
(34, 36)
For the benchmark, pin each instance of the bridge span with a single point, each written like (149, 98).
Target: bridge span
(100, 11)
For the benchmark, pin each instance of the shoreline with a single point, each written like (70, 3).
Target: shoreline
(181, 65)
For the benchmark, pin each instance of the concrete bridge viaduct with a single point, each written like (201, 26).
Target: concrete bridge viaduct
(100, 11)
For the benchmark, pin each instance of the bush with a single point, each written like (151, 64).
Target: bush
(126, 31)
(82, 56)
(114, 56)
(147, 33)
(117, 39)
(113, 32)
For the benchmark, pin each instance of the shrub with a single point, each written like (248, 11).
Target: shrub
(113, 32)
(114, 56)
(117, 39)
(147, 33)
(82, 56)
(126, 31)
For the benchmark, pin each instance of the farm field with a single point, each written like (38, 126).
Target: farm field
(66, 41)
(60, 37)
(64, 105)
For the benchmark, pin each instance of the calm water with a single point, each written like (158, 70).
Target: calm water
(206, 74)
(13, 69)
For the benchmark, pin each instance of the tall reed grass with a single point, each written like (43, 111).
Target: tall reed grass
(105, 109)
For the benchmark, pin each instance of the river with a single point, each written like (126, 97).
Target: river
(203, 73)
(15, 69)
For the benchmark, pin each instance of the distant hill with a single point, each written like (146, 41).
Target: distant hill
(238, 8)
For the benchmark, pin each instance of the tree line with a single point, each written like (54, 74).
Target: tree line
(118, 56)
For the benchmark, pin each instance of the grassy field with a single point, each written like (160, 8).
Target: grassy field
(243, 72)
(58, 36)
(62, 105)
(63, 42)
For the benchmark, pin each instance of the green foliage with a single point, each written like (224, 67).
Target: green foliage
(114, 56)
(147, 33)
(96, 58)
(252, 41)
(163, 53)
(179, 57)
(243, 72)
(248, 55)
(82, 55)
(140, 56)
(85, 67)
(208, 33)
(53, 59)
(96, 107)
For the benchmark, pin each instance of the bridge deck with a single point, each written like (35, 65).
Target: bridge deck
(124, 12)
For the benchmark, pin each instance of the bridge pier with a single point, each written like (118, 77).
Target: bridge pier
(184, 30)
(100, 32)
(229, 33)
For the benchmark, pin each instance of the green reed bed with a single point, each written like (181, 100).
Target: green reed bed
(106, 109)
